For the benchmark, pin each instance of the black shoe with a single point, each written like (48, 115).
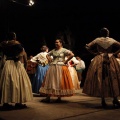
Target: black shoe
(116, 103)
(7, 106)
(104, 105)
(46, 100)
(20, 106)
(58, 100)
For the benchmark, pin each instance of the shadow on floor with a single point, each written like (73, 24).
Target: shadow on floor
(11, 108)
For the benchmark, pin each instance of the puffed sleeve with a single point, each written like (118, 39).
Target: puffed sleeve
(67, 52)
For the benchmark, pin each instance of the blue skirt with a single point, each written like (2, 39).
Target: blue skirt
(38, 78)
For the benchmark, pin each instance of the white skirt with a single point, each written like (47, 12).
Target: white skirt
(75, 79)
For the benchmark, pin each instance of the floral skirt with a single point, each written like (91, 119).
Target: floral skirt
(57, 82)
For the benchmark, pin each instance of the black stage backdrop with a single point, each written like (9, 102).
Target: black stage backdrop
(77, 21)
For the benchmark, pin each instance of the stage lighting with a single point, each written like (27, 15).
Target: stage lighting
(31, 3)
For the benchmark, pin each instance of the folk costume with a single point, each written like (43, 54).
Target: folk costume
(42, 67)
(15, 86)
(58, 81)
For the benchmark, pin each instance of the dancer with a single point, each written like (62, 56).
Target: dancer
(80, 67)
(15, 86)
(31, 68)
(103, 76)
(42, 67)
(58, 81)
(71, 66)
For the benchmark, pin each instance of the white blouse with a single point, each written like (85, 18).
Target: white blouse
(41, 57)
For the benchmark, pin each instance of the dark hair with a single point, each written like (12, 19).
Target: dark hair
(11, 36)
(61, 41)
(44, 48)
(104, 32)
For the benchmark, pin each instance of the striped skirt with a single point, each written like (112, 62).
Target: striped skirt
(15, 85)
(57, 82)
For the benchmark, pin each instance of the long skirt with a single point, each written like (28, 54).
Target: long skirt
(57, 82)
(103, 80)
(38, 78)
(75, 79)
(15, 85)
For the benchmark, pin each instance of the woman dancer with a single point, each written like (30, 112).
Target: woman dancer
(15, 86)
(42, 67)
(103, 76)
(58, 81)
(80, 67)
(71, 66)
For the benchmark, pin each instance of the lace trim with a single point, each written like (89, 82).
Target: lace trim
(57, 92)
